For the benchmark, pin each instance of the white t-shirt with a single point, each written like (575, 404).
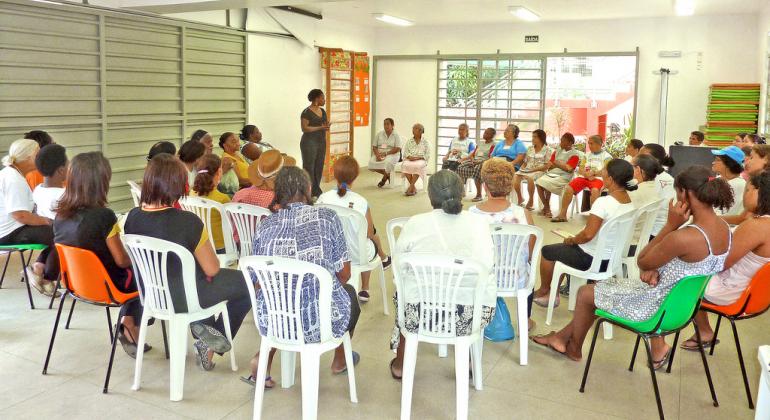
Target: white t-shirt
(384, 143)
(738, 185)
(46, 199)
(664, 186)
(15, 195)
(645, 193)
(358, 203)
(605, 208)
(461, 145)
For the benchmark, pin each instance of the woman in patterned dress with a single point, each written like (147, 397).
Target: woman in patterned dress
(471, 168)
(676, 252)
(313, 234)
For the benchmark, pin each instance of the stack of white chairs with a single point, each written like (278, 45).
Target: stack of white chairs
(202, 207)
(150, 259)
(355, 228)
(281, 282)
(136, 193)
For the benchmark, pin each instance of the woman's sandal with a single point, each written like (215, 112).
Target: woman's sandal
(356, 359)
(694, 346)
(393, 374)
(251, 380)
(558, 220)
(660, 364)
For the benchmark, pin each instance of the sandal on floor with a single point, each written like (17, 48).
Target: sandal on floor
(694, 346)
(356, 359)
(396, 377)
(660, 364)
(251, 380)
(558, 220)
(542, 301)
(530, 208)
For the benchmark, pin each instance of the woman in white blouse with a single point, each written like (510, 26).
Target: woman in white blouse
(534, 167)
(416, 157)
(18, 223)
(451, 231)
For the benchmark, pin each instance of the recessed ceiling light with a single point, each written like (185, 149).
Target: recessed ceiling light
(684, 7)
(392, 19)
(523, 13)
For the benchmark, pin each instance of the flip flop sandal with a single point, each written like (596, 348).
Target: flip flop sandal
(694, 347)
(356, 359)
(558, 220)
(396, 377)
(530, 208)
(660, 364)
(251, 380)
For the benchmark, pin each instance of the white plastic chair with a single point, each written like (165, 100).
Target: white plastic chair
(613, 235)
(202, 208)
(436, 280)
(245, 219)
(355, 226)
(646, 219)
(511, 246)
(136, 192)
(150, 258)
(281, 282)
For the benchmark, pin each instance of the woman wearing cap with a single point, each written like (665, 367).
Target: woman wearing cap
(262, 174)
(345, 172)
(728, 163)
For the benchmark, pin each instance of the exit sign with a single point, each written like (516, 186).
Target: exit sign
(531, 38)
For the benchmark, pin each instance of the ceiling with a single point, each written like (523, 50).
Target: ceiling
(453, 12)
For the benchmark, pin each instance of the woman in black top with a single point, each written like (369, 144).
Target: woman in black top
(164, 183)
(84, 221)
(313, 144)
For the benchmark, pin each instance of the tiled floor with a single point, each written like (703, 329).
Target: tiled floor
(546, 388)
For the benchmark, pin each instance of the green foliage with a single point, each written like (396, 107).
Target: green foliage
(462, 84)
(619, 137)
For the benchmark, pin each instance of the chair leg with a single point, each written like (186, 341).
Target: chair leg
(407, 378)
(705, 365)
(288, 368)
(259, 391)
(26, 280)
(109, 323)
(384, 289)
(53, 334)
(716, 332)
(140, 350)
(673, 352)
(5, 267)
(652, 375)
(165, 337)
(351, 368)
(477, 351)
(443, 350)
(552, 296)
(743, 366)
(69, 317)
(461, 379)
(178, 353)
(607, 329)
(311, 362)
(633, 356)
(229, 335)
(521, 309)
(590, 355)
(112, 357)
(53, 295)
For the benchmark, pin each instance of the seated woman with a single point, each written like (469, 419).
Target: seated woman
(664, 182)
(313, 234)
(164, 183)
(18, 223)
(262, 174)
(203, 137)
(43, 139)
(190, 154)
(345, 172)
(632, 149)
(646, 169)
(589, 176)
(85, 221)
(232, 159)
(677, 252)
(205, 186)
(497, 176)
(750, 251)
(471, 168)
(533, 167)
(161, 147)
(756, 162)
(580, 250)
(250, 134)
(416, 157)
(451, 231)
(728, 164)
(559, 170)
(511, 148)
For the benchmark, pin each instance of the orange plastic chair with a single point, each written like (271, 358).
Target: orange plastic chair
(754, 301)
(86, 280)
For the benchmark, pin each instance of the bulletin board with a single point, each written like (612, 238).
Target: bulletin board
(361, 90)
(338, 86)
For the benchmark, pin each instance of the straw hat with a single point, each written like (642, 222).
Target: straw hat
(262, 171)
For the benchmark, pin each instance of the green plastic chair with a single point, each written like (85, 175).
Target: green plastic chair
(21, 249)
(678, 310)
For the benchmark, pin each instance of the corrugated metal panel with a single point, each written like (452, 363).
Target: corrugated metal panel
(98, 79)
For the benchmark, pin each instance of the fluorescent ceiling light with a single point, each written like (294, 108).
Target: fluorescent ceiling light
(523, 13)
(684, 7)
(392, 19)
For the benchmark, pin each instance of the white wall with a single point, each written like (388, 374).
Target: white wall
(729, 55)
(763, 51)
(406, 92)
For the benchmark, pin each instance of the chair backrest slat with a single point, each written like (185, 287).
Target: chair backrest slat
(614, 234)
(136, 192)
(512, 261)
(245, 219)
(203, 207)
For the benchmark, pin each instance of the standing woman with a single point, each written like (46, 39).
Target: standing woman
(313, 144)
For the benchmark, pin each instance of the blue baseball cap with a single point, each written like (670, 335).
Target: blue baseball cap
(733, 152)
